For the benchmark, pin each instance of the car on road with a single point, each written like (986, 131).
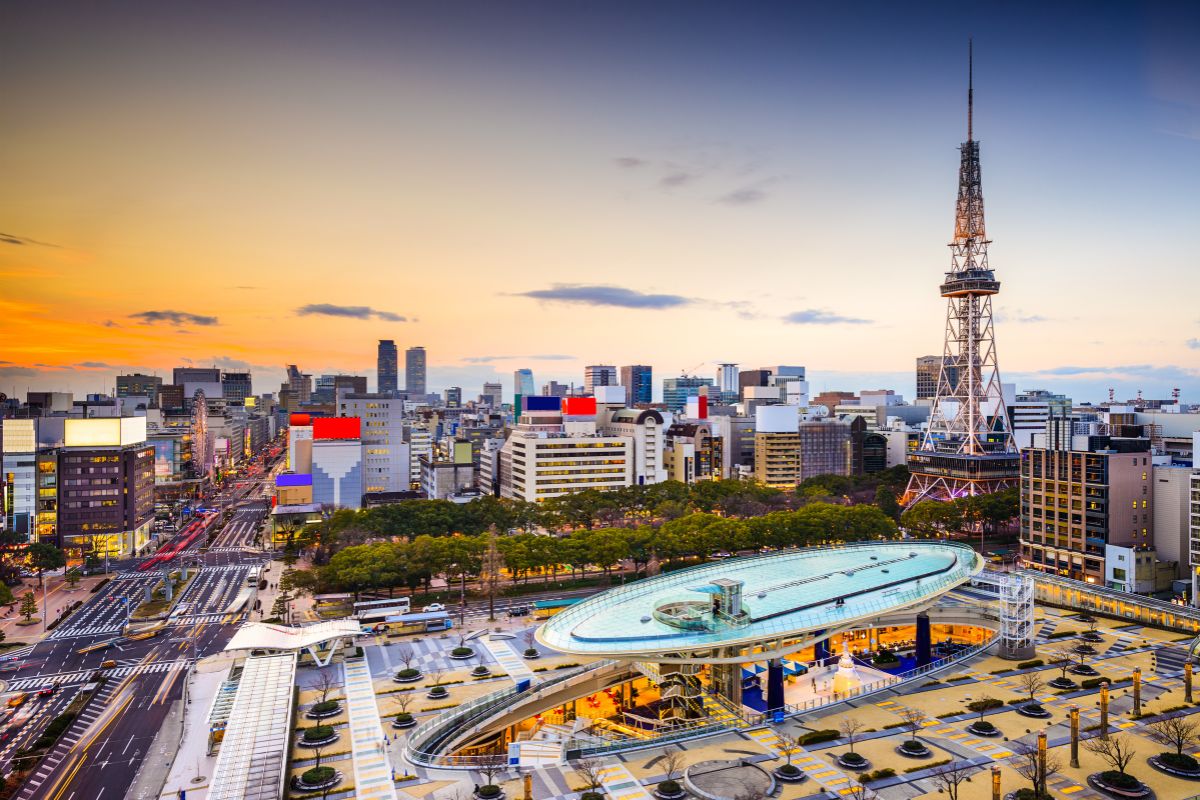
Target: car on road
(518, 611)
(109, 664)
(17, 700)
(434, 607)
(46, 691)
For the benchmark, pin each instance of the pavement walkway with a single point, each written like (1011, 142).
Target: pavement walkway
(372, 770)
(507, 658)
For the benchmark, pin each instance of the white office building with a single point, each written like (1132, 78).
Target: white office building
(387, 460)
(541, 459)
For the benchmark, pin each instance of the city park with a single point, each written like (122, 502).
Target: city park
(840, 658)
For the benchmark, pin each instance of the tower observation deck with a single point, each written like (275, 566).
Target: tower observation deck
(968, 448)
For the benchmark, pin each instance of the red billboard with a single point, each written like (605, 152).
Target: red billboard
(337, 428)
(300, 420)
(579, 405)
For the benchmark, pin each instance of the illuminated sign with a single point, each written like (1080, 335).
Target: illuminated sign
(540, 403)
(20, 436)
(300, 419)
(579, 406)
(336, 428)
(104, 431)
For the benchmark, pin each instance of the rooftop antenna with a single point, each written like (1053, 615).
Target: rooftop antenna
(970, 87)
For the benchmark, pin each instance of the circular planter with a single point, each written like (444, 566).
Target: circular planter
(330, 739)
(793, 775)
(1085, 650)
(1091, 636)
(853, 761)
(482, 792)
(324, 713)
(1160, 763)
(990, 730)
(300, 785)
(1114, 784)
(480, 672)
(1085, 670)
(532, 654)
(1063, 684)
(911, 749)
(400, 722)
(408, 678)
(669, 790)
(460, 653)
(438, 693)
(1034, 710)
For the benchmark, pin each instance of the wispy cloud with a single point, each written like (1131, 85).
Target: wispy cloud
(630, 162)
(348, 312)
(94, 365)
(173, 318)
(816, 316)
(539, 357)
(1193, 343)
(12, 238)
(673, 180)
(743, 197)
(594, 295)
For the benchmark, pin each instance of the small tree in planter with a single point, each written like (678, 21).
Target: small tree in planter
(1116, 751)
(1063, 659)
(404, 719)
(1178, 733)
(589, 770)
(849, 729)
(1080, 665)
(436, 690)
(462, 649)
(324, 684)
(1026, 765)
(951, 776)
(491, 765)
(530, 640)
(1031, 683)
(788, 746)
(914, 720)
(981, 706)
(480, 670)
(408, 673)
(672, 763)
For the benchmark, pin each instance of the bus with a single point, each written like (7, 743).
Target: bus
(252, 576)
(388, 607)
(548, 608)
(402, 624)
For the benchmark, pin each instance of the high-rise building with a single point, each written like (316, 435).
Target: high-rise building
(236, 387)
(1078, 505)
(1030, 412)
(182, 375)
(414, 371)
(523, 384)
(387, 461)
(299, 383)
(453, 396)
(493, 395)
(676, 391)
(386, 366)
(598, 375)
(638, 380)
(337, 461)
(752, 377)
(727, 378)
(968, 448)
(139, 385)
(555, 389)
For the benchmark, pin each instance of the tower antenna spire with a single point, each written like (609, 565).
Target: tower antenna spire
(970, 87)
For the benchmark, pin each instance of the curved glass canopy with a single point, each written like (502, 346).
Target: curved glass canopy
(743, 601)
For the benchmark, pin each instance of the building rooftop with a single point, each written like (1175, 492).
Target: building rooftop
(782, 594)
(253, 756)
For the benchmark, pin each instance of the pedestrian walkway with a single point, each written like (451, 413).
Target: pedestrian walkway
(83, 676)
(372, 770)
(830, 779)
(512, 663)
(619, 783)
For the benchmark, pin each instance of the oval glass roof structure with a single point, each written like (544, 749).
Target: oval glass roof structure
(747, 600)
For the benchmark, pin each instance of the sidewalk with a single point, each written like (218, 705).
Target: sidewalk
(60, 597)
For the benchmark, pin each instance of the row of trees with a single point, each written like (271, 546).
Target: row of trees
(986, 511)
(401, 561)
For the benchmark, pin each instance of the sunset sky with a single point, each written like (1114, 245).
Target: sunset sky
(557, 184)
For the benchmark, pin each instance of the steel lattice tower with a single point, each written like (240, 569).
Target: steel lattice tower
(968, 447)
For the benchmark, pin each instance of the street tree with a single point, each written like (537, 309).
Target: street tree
(1026, 763)
(950, 777)
(28, 606)
(1116, 751)
(1179, 732)
(849, 729)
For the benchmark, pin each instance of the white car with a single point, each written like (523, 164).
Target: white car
(434, 607)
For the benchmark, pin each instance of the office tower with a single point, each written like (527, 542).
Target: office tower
(337, 461)
(236, 387)
(414, 370)
(170, 397)
(1086, 509)
(752, 377)
(493, 395)
(453, 396)
(1030, 412)
(387, 461)
(598, 375)
(300, 384)
(929, 370)
(638, 382)
(968, 448)
(676, 391)
(523, 383)
(182, 375)
(555, 389)
(387, 380)
(832, 400)
(727, 378)
(139, 385)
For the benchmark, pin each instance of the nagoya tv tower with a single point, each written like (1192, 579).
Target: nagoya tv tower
(968, 448)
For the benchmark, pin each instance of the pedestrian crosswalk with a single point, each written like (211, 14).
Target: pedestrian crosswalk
(83, 676)
(85, 630)
(195, 619)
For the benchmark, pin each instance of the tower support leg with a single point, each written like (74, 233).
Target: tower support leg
(774, 684)
(924, 640)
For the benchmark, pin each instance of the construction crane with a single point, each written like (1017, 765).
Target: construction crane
(691, 371)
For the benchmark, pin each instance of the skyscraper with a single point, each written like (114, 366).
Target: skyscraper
(493, 395)
(598, 375)
(386, 367)
(968, 447)
(929, 369)
(638, 382)
(523, 383)
(676, 391)
(414, 370)
(236, 387)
